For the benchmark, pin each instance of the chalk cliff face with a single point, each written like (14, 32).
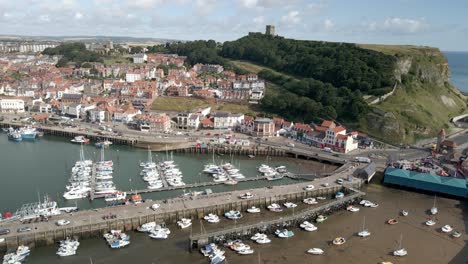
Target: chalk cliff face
(424, 100)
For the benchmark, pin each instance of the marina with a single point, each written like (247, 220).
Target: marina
(88, 226)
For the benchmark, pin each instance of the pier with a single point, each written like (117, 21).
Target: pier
(92, 223)
(293, 220)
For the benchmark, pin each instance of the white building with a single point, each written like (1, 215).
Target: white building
(140, 58)
(45, 108)
(132, 77)
(193, 121)
(11, 105)
(224, 120)
(73, 110)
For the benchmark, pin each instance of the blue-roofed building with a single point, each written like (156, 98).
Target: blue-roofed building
(426, 182)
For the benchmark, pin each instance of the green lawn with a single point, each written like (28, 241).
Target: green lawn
(186, 104)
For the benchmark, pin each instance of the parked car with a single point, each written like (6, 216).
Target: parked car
(290, 145)
(327, 149)
(24, 229)
(4, 231)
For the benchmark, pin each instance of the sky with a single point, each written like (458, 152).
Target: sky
(437, 23)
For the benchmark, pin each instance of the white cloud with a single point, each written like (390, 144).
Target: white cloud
(248, 3)
(205, 7)
(317, 7)
(78, 15)
(260, 20)
(291, 18)
(142, 3)
(44, 18)
(328, 24)
(399, 25)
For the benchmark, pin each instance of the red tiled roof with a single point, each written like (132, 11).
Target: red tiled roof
(342, 137)
(338, 129)
(327, 123)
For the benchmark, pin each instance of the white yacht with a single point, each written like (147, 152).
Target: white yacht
(253, 210)
(310, 201)
(400, 252)
(147, 227)
(118, 196)
(447, 229)
(290, 205)
(307, 226)
(184, 223)
(315, 251)
(211, 218)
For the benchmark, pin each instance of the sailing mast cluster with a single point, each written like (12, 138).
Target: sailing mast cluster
(87, 176)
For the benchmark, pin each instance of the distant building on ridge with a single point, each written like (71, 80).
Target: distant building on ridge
(270, 30)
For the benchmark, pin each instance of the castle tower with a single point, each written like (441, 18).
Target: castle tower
(270, 30)
(440, 138)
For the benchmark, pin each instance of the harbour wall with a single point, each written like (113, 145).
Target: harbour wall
(87, 224)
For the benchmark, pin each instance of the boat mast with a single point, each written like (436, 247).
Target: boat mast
(102, 154)
(150, 158)
(363, 223)
(401, 238)
(81, 153)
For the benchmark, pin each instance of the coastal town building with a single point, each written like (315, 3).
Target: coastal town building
(224, 120)
(153, 122)
(11, 105)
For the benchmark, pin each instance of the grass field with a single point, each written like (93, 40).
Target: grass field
(186, 104)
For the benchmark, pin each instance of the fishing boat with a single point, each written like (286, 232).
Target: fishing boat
(117, 239)
(404, 213)
(158, 234)
(248, 251)
(447, 229)
(392, 221)
(253, 210)
(434, 209)
(352, 208)
(46, 208)
(309, 187)
(310, 201)
(80, 140)
(364, 232)
(67, 247)
(28, 132)
(257, 236)
(211, 218)
(15, 136)
(147, 227)
(315, 251)
(284, 233)
(217, 258)
(430, 222)
(263, 240)
(339, 195)
(239, 246)
(339, 241)
(118, 196)
(400, 252)
(456, 234)
(321, 219)
(308, 226)
(184, 223)
(103, 144)
(290, 205)
(275, 207)
(233, 215)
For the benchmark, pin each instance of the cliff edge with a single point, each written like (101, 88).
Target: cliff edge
(423, 100)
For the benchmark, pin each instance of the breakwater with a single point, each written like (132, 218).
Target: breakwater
(93, 223)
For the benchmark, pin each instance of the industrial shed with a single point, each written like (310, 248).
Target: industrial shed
(426, 182)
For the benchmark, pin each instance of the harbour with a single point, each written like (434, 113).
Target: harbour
(89, 225)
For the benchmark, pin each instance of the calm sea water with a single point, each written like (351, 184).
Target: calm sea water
(32, 169)
(458, 63)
